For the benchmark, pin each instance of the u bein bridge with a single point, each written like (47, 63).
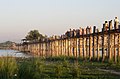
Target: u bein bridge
(86, 43)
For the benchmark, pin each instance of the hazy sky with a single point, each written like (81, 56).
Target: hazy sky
(18, 17)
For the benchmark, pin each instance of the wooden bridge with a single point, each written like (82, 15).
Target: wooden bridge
(86, 43)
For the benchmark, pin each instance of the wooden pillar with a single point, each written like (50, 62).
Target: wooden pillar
(90, 44)
(75, 47)
(67, 47)
(77, 40)
(58, 47)
(84, 52)
(62, 46)
(115, 47)
(54, 48)
(78, 47)
(37, 49)
(56, 43)
(109, 41)
(47, 48)
(118, 57)
(70, 54)
(81, 46)
(98, 50)
(87, 52)
(94, 48)
(72, 47)
(103, 49)
(40, 49)
(51, 48)
(43, 49)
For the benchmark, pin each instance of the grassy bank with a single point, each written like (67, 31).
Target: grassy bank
(54, 68)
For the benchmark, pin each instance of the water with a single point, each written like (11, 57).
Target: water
(13, 53)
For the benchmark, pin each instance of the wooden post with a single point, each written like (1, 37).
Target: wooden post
(54, 52)
(90, 44)
(75, 47)
(80, 39)
(84, 52)
(58, 47)
(81, 47)
(103, 49)
(40, 49)
(118, 57)
(114, 47)
(98, 51)
(78, 47)
(94, 52)
(77, 44)
(62, 46)
(71, 49)
(87, 32)
(109, 42)
(43, 49)
(51, 48)
(66, 47)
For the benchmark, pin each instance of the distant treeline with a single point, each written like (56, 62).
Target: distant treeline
(6, 45)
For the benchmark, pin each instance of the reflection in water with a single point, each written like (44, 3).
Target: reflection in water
(13, 53)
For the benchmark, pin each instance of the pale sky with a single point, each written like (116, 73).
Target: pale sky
(18, 17)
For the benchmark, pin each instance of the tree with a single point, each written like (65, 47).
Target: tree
(34, 35)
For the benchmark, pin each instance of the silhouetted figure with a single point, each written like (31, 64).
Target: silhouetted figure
(106, 26)
(116, 23)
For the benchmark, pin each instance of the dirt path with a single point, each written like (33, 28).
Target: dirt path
(111, 71)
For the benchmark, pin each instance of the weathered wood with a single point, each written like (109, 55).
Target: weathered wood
(80, 43)
(118, 57)
(87, 44)
(109, 42)
(98, 42)
(90, 44)
(115, 47)
(81, 47)
(83, 44)
(103, 49)
(94, 48)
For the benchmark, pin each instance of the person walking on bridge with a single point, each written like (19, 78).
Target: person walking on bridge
(116, 22)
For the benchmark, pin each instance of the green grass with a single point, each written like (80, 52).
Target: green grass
(54, 68)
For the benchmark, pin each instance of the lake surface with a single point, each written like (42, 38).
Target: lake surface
(13, 53)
